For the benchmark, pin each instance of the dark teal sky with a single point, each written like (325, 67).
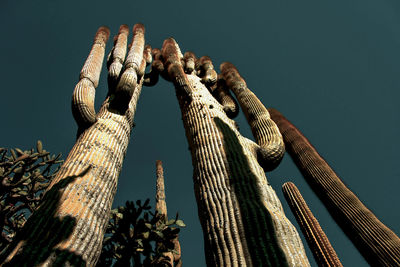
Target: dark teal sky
(331, 68)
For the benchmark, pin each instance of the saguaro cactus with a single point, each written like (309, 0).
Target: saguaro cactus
(377, 243)
(168, 258)
(69, 225)
(242, 218)
(318, 242)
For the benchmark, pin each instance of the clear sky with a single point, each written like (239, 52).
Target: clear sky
(331, 67)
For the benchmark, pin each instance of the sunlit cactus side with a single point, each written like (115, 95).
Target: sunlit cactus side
(379, 245)
(69, 225)
(24, 175)
(241, 216)
(317, 240)
(136, 236)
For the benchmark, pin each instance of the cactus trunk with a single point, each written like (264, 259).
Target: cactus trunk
(379, 245)
(241, 216)
(69, 225)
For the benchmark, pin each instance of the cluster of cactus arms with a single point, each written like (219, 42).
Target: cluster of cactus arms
(376, 242)
(242, 218)
(69, 225)
(318, 242)
(24, 175)
(136, 236)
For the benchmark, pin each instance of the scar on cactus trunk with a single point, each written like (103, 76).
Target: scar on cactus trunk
(318, 242)
(242, 218)
(379, 245)
(69, 225)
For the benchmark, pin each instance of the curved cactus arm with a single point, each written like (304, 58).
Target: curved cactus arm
(242, 218)
(224, 97)
(320, 246)
(132, 71)
(190, 62)
(84, 93)
(264, 130)
(69, 225)
(379, 245)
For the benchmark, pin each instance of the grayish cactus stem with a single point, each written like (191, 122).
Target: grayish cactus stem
(69, 225)
(241, 216)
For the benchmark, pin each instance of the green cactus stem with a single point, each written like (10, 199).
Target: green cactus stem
(318, 242)
(241, 216)
(379, 245)
(69, 225)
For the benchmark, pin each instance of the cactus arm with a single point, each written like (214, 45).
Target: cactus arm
(206, 71)
(69, 226)
(320, 246)
(264, 130)
(131, 72)
(242, 218)
(84, 93)
(151, 78)
(222, 94)
(379, 245)
(117, 56)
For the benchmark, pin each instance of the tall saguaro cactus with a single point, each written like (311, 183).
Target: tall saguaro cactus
(241, 216)
(69, 225)
(377, 243)
(320, 246)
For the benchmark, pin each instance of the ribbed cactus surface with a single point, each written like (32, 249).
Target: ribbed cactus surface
(376, 242)
(241, 216)
(69, 225)
(318, 242)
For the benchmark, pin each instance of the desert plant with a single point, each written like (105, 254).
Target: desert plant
(317, 240)
(379, 245)
(241, 216)
(69, 225)
(24, 175)
(136, 236)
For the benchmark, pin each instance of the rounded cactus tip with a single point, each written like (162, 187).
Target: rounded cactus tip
(287, 185)
(227, 66)
(124, 29)
(138, 27)
(103, 32)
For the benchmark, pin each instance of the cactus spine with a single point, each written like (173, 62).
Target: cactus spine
(318, 242)
(69, 225)
(379, 245)
(242, 218)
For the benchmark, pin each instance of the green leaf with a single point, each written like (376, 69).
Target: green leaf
(180, 223)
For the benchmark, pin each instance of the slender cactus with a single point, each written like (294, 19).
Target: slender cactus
(169, 258)
(318, 242)
(379, 245)
(241, 216)
(69, 225)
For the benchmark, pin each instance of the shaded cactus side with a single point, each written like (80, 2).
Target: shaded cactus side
(69, 225)
(379, 245)
(24, 175)
(318, 242)
(136, 236)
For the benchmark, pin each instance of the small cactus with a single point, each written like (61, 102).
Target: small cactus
(320, 246)
(379, 245)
